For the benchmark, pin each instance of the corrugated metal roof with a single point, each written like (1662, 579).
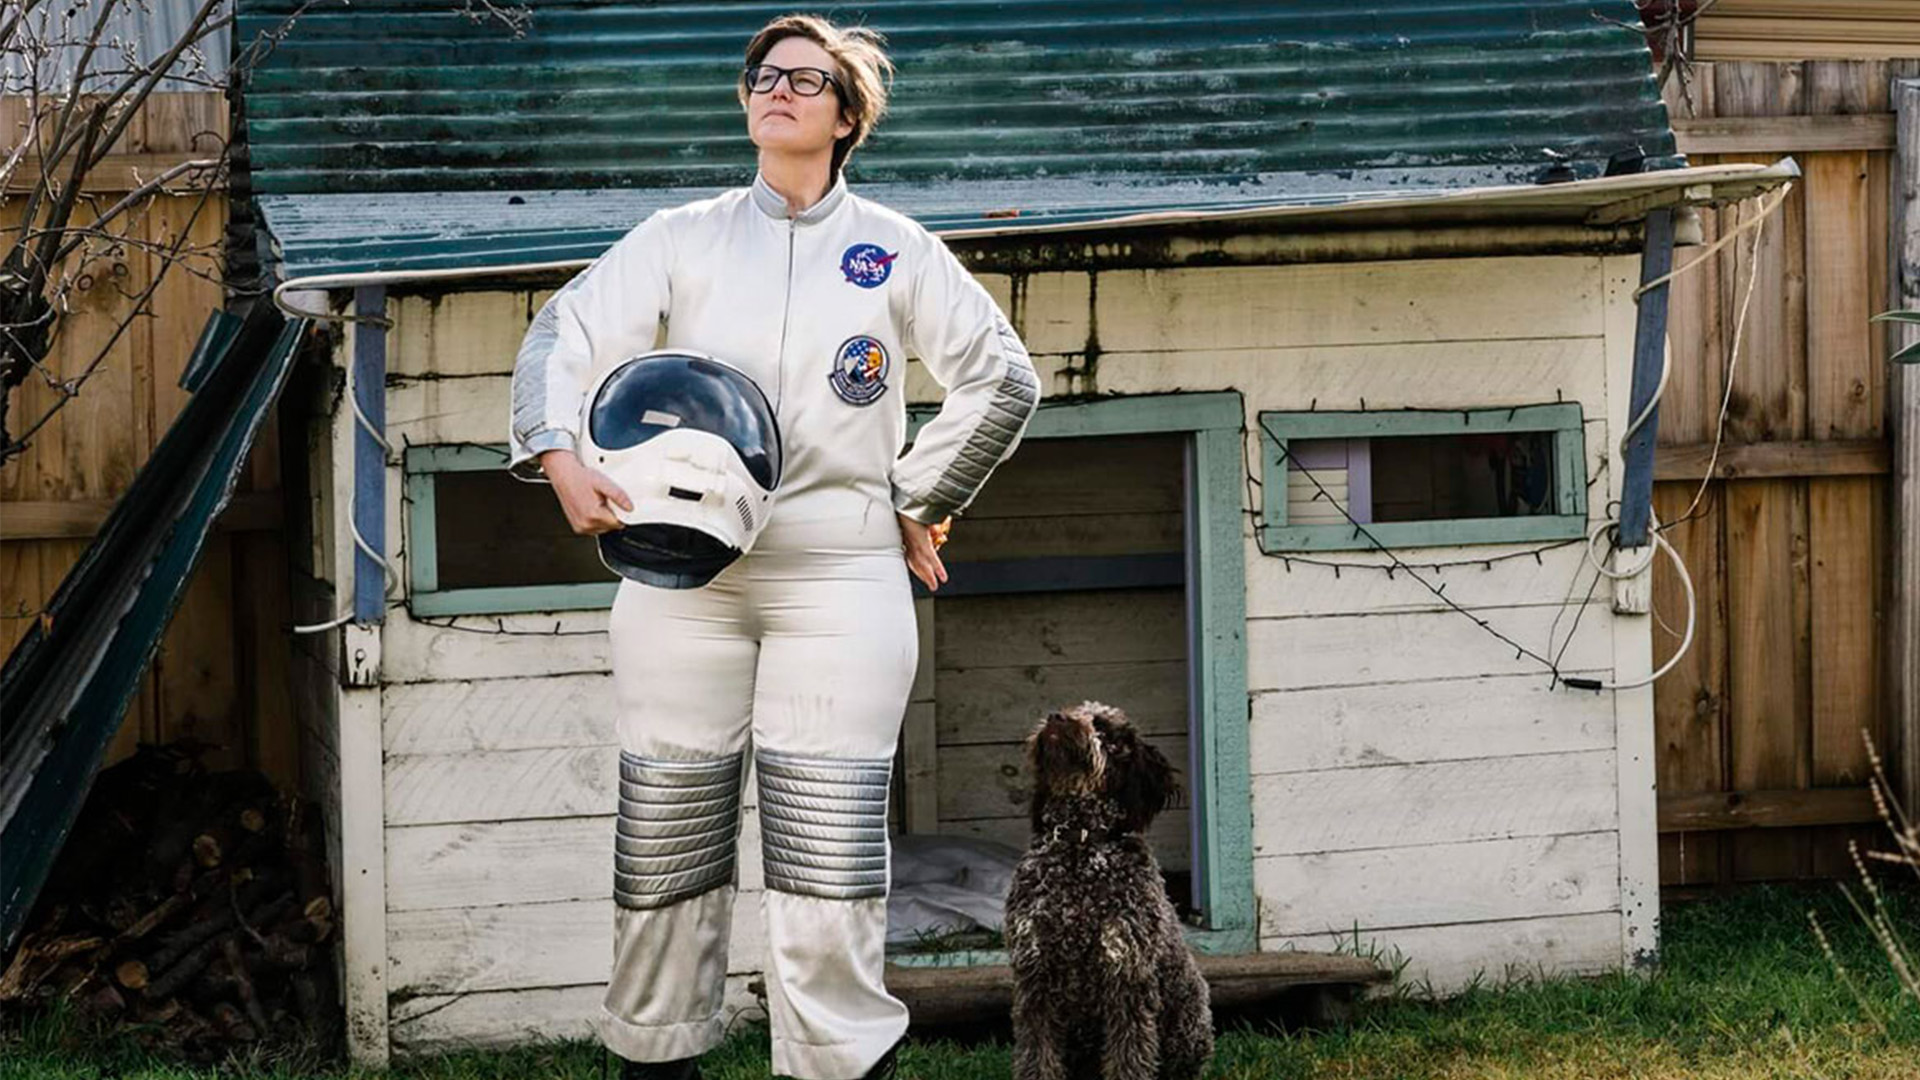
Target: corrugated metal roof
(1057, 108)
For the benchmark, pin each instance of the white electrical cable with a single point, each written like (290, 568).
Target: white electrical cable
(390, 573)
(1659, 544)
(383, 277)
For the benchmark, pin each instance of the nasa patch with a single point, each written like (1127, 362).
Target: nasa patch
(859, 372)
(867, 265)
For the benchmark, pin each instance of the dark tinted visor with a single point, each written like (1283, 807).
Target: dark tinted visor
(669, 392)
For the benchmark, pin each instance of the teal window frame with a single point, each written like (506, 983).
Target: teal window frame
(1564, 419)
(1220, 785)
(421, 465)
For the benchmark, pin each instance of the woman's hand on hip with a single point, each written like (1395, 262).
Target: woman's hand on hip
(586, 494)
(922, 544)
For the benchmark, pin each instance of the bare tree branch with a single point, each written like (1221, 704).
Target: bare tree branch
(139, 193)
(70, 387)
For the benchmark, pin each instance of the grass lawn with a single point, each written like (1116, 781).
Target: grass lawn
(1744, 992)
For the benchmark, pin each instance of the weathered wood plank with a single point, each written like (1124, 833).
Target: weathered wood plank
(1434, 803)
(500, 785)
(1283, 587)
(1168, 836)
(991, 781)
(1792, 807)
(1412, 723)
(525, 946)
(1774, 460)
(489, 863)
(1419, 373)
(1844, 389)
(1763, 654)
(1084, 535)
(250, 511)
(1846, 647)
(1904, 393)
(194, 671)
(454, 335)
(920, 768)
(1340, 303)
(1107, 626)
(1783, 134)
(1445, 959)
(1001, 704)
(441, 1023)
(1356, 650)
(1690, 702)
(477, 864)
(984, 992)
(1119, 475)
(499, 714)
(1439, 884)
(494, 647)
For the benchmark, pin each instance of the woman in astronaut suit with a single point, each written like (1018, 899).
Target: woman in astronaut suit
(806, 644)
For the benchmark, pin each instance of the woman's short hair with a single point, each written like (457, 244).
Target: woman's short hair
(864, 75)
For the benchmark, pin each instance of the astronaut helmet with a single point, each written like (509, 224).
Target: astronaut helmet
(694, 444)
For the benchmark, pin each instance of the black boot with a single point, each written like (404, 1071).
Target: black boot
(885, 1069)
(684, 1069)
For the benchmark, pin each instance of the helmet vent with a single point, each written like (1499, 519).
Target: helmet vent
(746, 512)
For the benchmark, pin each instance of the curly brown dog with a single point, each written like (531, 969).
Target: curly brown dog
(1103, 983)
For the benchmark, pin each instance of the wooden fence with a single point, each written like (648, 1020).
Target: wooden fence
(1762, 769)
(220, 675)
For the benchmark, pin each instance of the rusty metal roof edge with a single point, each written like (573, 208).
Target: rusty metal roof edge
(1723, 181)
(1631, 195)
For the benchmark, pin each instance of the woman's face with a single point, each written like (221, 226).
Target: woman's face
(783, 121)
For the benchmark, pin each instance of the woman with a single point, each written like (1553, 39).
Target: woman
(807, 644)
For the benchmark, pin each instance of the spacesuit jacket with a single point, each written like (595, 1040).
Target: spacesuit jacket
(822, 310)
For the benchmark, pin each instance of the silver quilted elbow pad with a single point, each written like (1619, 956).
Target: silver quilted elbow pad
(678, 824)
(823, 824)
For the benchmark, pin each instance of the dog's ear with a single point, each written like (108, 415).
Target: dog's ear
(1139, 778)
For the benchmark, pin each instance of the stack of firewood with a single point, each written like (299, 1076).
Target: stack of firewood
(191, 906)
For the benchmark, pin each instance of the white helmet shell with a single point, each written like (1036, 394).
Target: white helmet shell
(694, 444)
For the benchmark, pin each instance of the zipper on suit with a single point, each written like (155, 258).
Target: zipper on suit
(786, 310)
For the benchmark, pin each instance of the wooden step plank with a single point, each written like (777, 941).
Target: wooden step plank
(946, 995)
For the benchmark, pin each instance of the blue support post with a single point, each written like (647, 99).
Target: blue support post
(1649, 353)
(369, 383)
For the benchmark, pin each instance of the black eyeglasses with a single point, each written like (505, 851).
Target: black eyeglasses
(806, 82)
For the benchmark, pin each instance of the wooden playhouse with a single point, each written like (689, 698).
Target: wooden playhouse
(1279, 331)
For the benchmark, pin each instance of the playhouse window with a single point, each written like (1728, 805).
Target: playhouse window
(1424, 478)
(479, 540)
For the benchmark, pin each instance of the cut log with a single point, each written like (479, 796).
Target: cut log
(131, 974)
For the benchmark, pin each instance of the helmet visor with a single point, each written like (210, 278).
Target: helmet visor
(670, 392)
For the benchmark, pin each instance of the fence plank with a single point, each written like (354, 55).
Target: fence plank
(1783, 134)
(1763, 657)
(1690, 704)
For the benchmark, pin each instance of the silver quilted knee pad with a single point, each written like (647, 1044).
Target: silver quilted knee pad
(823, 824)
(678, 824)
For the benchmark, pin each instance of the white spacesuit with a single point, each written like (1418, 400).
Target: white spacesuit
(808, 642)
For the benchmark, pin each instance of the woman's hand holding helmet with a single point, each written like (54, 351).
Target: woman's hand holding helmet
(586, 494)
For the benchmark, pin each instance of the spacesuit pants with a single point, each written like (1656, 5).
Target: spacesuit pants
(801, 655)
